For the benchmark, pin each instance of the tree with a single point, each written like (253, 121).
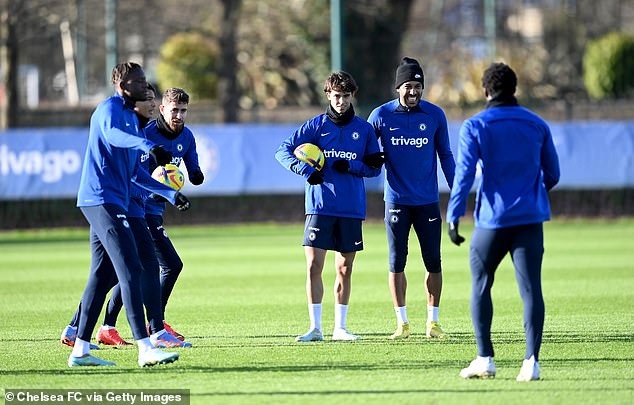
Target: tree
(608, 65)
(228, 82)
(189, 61)
(9, 62)
(374, 31)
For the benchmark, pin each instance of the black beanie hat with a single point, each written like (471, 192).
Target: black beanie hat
(409, 70)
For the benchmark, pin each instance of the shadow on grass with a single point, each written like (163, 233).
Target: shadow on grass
(454, 364)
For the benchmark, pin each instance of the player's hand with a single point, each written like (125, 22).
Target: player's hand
(315, 178)
(374, 160)
(182, 203)
(341, 165)
(454, 235)
(161, 156)
(196, 178)
(158, 198)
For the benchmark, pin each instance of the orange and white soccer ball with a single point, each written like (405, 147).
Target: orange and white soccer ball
(311, 154)
(170, 175)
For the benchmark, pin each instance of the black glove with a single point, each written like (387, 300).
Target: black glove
(374, 160)
(196, 178)
(341, 165)
(161, 156)
(454, 235)
(157, 197)
(315, 178)
(182, 203)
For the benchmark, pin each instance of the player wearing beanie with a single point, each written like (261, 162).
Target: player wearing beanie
(413, 134)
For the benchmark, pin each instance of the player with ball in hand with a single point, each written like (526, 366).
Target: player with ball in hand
(169, 131)
(334, 196)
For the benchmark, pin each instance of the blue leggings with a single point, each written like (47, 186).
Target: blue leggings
(525, 243)
(149, 282)
(114, 256)
(171, 264)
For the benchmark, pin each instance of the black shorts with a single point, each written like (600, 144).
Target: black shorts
(427, 224)
(340, 234)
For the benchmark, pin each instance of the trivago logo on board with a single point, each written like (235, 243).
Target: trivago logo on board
(50, 165)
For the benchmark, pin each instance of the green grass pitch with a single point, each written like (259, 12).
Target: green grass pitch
(241, 300)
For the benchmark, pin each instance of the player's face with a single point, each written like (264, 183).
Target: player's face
(339, 100)
(134, 86)
(410, 93)
(174, 114)
(146, 108)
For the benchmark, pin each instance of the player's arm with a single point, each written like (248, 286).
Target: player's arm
(469, 153)
(375, 120)
(360, 167)
(190, 158)
(443, 149)
(549, 162)
(118, 132)
(144, 180)
(287, 158)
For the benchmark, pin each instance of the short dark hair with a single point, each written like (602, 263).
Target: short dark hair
(175, 95)
(123, 70)
(340, 81)
(499, 79)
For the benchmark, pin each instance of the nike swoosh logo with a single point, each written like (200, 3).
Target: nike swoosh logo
(432, 219)
(358, 243)
(393, 129)
(325, 134)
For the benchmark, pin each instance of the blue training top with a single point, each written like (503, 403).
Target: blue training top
(341, 194)
(515, 150)
(183, 148)
(413, 139)
(111, 160)
(139, 193)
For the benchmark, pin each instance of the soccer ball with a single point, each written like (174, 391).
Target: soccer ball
(170, 175)
(311, 154)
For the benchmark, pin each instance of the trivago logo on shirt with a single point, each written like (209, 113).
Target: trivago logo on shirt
(402, 141)
(340, 154)
(51, 165)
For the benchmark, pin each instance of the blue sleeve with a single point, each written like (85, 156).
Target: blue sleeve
(468, 156)
(443, 148)
(114, 123)
(285, 155)
(144, 180)
(375, 120)
(191, 156)
(359, 168)
(549, 162)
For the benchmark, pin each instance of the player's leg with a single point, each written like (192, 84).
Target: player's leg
(99, 281)
(428, 227)
(107, 333)
(151, 286)
(488, 248)
(527, 250)
(317, 240)
(112, 230)
(348, 241)
(69, 334)
(398, 222)
(169, 260)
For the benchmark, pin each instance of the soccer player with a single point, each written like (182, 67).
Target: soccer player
(169, 131)
(107, 333)
(413, 134)
(515, 150)
(335, 197)
(110, 165)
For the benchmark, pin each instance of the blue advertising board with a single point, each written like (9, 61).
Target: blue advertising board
(239, 159)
